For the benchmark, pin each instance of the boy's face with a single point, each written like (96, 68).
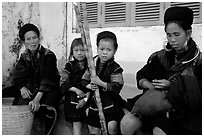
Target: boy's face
(106, 50)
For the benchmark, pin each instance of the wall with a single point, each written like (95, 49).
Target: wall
(49, 17)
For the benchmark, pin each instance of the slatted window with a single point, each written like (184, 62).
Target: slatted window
(144, 13)
(195, 6)
(93, 16)
(130, 14)
(115, 13)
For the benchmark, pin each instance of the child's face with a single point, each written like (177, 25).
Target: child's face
(106, 50)
(79, 52)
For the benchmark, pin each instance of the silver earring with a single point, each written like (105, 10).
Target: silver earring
(185, 44)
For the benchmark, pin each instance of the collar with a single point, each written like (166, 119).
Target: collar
(29, 56)
(109, 62)
(191, 54)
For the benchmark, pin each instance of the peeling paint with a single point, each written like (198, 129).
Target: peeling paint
(17, 44)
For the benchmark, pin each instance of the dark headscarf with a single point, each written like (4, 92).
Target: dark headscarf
(107, 34)
(184, 14)
(28, 27)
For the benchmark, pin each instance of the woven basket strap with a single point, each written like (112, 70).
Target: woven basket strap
(55, 117)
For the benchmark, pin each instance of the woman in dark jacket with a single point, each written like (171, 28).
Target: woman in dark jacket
(172, 81)
(35, 77)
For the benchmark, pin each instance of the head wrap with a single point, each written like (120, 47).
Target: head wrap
(107, 34)
(179, 14)
(28, 27)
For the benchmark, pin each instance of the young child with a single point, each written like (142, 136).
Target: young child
(109, 80)
(75, 98)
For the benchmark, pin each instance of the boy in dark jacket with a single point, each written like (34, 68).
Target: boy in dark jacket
(109, 80)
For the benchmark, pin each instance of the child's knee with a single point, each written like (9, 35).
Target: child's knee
(130, 124)
(112, 127)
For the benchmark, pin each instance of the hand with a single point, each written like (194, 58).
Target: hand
(144, 83)
(88, 86)
(80, 93)
(35, 105)
(161, 83)
(83, 101)
(25, 93)
(93, 87)
(96, 81)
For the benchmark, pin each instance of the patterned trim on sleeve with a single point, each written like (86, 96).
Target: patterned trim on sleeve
(117, 77)
(87, 75)
(64, 76)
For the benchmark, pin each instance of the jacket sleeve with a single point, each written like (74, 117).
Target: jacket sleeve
(86, 79)
(49, 73)
(20, 73)
(116, 81)
(65, 78)
(146, 72)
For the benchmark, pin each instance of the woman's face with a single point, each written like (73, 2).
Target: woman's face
(106, 50)
(177, 37)
(79, 52)
(31, 40)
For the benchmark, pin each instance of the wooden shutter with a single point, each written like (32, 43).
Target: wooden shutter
(145, 13)
(115, 14)
(93, 9)
(195, 6)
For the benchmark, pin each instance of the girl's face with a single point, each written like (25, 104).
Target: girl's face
(79, 52)
(177, 37)
(106, 50)
(31, 40)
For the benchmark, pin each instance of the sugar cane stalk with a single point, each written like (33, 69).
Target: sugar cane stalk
(87, 43)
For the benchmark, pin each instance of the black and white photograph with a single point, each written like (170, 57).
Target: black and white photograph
(101, 68)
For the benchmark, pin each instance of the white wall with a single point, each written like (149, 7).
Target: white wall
(137, 43)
